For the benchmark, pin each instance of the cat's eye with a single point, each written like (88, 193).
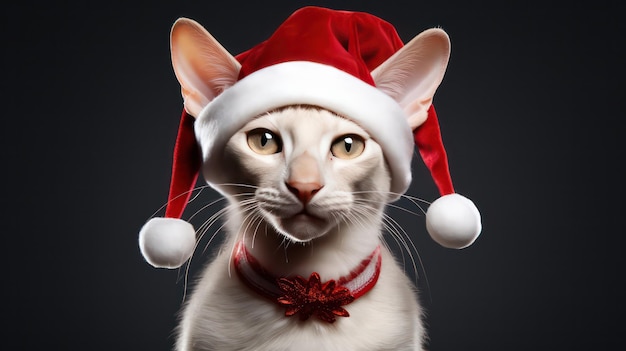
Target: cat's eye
(264, 142)
(348, 146)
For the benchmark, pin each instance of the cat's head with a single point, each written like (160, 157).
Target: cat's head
(306, 171)
(351, 64)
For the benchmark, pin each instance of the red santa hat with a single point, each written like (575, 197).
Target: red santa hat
(343, 61)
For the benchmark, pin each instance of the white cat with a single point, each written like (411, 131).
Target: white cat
(318, 188)
(303, 266)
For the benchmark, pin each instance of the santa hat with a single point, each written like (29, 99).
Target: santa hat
(346, 62)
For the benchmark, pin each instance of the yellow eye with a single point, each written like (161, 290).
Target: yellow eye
(264, 142)
(348, 146)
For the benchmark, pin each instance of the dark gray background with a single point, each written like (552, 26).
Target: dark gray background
(529, 112)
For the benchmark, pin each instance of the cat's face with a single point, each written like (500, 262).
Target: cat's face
(312, 172)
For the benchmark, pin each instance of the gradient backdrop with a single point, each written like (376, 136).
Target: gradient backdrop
(529, 112)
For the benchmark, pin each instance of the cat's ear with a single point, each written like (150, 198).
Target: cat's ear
(411, 76)
(203, 67)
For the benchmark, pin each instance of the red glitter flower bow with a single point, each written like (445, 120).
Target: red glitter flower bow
(314, 298)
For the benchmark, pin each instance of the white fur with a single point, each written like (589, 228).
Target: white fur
(224, 314)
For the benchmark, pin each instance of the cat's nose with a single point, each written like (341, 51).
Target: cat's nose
(304, 191)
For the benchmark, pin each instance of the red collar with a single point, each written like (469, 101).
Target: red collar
(312, 296)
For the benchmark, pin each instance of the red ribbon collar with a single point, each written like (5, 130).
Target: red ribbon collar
(309, 297)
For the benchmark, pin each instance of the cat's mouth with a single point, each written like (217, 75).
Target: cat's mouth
(304, 215)
(306, 218)
(303, 226)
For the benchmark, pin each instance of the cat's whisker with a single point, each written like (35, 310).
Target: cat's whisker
(282, 246)
(215, 202)
(395, 238)
(219, 229)
(401, 232)
(361, 216)
(413, 199)
(249, 207)
(285, 244)
(209, 222)
(198, 188)
(205, 207)
(204, 228)
(398, 207)
(256, 230)
(243, 185)
(201, 232)
(362, 212)
(252, 218)
(338, 219)
(396, 231)
(364, 209)
(387, 193)
(399, 235)
(237, 185)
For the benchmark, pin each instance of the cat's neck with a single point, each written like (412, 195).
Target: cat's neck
(332, 256)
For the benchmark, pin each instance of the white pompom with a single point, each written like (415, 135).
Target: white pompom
(167, 242)
(453, 221)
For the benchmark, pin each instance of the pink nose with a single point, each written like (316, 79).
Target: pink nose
(304, 191)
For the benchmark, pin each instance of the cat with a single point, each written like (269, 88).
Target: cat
(310, 201)
(308, 157)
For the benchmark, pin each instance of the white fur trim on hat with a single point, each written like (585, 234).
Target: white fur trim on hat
(453, 221)
(304, 82)
(167, 242)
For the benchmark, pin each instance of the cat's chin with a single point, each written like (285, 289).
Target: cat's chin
(302, 227)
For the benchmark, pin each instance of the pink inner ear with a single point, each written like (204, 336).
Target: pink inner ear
(412, 75)
(202, 65)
